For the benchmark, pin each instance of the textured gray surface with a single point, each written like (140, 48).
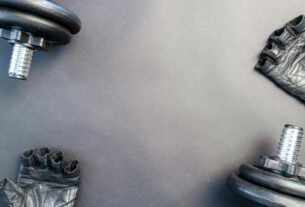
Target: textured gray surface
(157, 99)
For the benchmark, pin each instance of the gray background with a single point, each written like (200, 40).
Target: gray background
(158, 99)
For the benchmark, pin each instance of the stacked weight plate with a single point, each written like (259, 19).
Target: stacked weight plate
(40, 18)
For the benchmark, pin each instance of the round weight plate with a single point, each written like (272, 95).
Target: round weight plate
(53, 32)
(262, 195)
(273, 181)
(48, 10)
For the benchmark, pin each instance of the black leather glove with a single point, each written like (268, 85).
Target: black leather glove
(42, 181)
(282, 60)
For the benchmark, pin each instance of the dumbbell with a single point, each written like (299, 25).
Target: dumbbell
(34, 25)
(276, 181)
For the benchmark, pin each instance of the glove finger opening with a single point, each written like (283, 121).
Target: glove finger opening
(27, 158)
(272, 51)
(265, 64)
(72, 169)
(298, 24)
(282, 36)
(56, 160)
(42, 156)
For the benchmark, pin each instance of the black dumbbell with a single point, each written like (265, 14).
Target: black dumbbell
(32, 25)
(276, 180)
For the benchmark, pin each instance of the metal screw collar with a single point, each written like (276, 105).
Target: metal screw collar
(285, 162)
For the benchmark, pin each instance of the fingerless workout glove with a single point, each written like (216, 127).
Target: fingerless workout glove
(282, 60)
(43, 181)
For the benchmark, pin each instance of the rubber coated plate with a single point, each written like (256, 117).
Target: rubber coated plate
(52, 31)
(273, 181)
(262, 195)
(47, 9)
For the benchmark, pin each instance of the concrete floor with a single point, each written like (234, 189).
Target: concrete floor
(157, 99)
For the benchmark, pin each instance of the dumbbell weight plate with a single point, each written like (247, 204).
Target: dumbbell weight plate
(53, 32)
(48, 10)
